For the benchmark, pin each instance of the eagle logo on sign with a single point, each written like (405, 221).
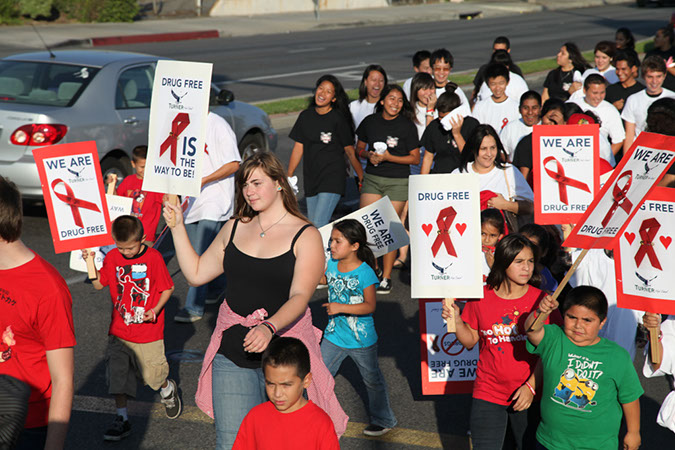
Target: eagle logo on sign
(392, 141)
(326, 137)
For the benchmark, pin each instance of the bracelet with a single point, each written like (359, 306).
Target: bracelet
(269, 326)
(154, 315)
(529, 386)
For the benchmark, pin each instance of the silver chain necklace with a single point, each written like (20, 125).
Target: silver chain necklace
(262, 232)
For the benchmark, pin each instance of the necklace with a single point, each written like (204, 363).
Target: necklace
(262, 232)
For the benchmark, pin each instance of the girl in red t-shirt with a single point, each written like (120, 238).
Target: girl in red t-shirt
(505, 382)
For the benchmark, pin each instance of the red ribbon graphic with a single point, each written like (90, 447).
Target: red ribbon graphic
(620, 199)
(75, 203)
(444, 222)
(180, 123)
(648, 230)
(563, 181)
(505, 121)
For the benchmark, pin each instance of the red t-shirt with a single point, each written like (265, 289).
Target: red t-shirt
(36, 315)
(308, 428)
(504, 363)
(135, 286)
(147, 206)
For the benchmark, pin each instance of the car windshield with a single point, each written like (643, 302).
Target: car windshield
(43, 83)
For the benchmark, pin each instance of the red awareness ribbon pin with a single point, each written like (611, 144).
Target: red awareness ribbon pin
(620, 199)
(444, 222)
(179, 124)
(504, 122)
(563, 180)
(75, 203)
(648, 230)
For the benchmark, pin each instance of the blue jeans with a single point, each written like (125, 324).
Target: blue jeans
(366, 360)
(235, 391)
(201, 235)
(320, 207)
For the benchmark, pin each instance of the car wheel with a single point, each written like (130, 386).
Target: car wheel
(118, 166)
(250, 145)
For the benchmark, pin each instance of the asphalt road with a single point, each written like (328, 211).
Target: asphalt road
(276, 66)
(424, 422)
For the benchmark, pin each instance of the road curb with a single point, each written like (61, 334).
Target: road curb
(158, 37)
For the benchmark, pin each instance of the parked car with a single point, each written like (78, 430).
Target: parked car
(83, 95)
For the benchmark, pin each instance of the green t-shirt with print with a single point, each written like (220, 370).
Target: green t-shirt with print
(584, 388)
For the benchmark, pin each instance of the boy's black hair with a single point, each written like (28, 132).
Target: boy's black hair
(11, 211)
(653, 64)
(420, 56)
(287, 351)
(534, 95)
(139, 152)
(661, 117)
(441, 54)
(127, 228)
(594, 78)
(589, 297)
(629, 57)
(502, 40)
(495, 70)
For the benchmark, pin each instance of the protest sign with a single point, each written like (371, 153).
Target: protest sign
(640, 170)
(383, 227)
(117, 206)
(70, 175)
(445, 236)
(177, 130)
(447, 367)
(644, 256)
(566, 171)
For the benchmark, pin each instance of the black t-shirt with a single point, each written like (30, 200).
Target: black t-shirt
(442, 144)
(324, 138)
(556, 80)
(616, 91)
(480, 74)
(522, 157)
(400, 135)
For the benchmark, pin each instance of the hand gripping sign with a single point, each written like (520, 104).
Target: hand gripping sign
(445, 237)
(177, 132)
(70, 175)
(566, 174)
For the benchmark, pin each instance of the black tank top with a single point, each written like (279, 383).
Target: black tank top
(253, 283)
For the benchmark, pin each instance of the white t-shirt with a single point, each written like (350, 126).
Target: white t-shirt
(512, 133)
(512, 185)
(496, 114)
(609, 75)
(605, 150)
(635, 109)
(421, 115)
(668, 359)
(611, 126)
(216, 200)
(517, 86)
(597, 270)
(464, 108)
(361, 109)
(406, 87)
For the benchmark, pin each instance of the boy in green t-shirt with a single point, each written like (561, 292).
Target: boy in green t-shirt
(588, 380)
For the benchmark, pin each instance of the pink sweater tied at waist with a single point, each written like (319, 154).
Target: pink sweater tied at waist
(322, 389)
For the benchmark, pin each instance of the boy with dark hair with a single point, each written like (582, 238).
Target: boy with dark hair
(664, 49)
(288, 420)
(36, 329)
(441, 62)
(500, 43)
(499, 109)
(626, 67)
(140, 286)
(588, 380)
(147, 206)
(420, 62)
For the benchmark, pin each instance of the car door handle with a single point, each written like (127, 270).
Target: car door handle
(131, 121)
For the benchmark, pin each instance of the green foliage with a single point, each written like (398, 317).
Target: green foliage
(9, 12)
(118, 11)
(99, 10)
(36, 8)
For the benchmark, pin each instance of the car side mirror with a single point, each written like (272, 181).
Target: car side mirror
(225, 97)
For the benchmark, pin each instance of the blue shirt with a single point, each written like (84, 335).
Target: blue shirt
(348, 330)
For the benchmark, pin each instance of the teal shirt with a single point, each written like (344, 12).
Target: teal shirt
(584, 388)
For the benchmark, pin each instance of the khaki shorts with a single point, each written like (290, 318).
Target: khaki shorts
(129, 361)
(395, 188)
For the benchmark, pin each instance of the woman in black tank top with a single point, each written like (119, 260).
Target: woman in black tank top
(273, 260)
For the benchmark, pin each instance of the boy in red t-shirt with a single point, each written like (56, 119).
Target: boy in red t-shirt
(140, 286)
(288, 421)
(147, 206)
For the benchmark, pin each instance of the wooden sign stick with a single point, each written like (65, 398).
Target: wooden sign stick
(173, 200)
(452, 326)
(539, 321)
(654, 348)
(91, 267)
(112, 184)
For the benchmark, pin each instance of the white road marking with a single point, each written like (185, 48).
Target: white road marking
(306, 50)
(290, 74)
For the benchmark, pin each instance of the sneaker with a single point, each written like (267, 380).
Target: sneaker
(375, 430)
(379, 273)
(183, 316)
(385, 286)
(119, 429)
(172, 403)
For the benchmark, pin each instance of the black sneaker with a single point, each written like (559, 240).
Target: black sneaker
(375, 430)
(379, 273)
(385, 286)
(172, 403)
(183, 316)
(119, 429)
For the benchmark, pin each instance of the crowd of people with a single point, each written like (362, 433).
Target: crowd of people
(267, 375)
